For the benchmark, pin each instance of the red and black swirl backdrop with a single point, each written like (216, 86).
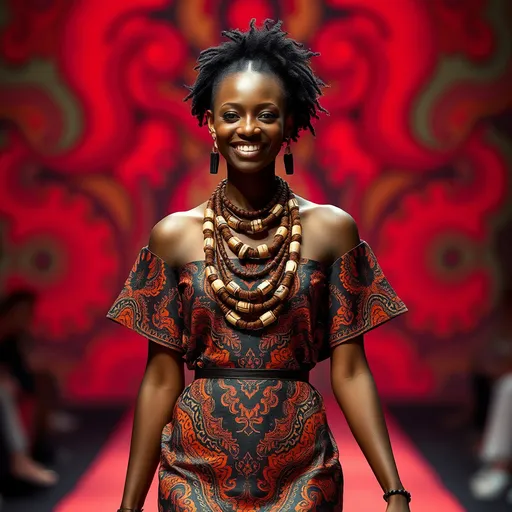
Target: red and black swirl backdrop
(97, 145)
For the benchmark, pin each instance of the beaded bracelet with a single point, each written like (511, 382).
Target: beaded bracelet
(124, 509)
(402, 492)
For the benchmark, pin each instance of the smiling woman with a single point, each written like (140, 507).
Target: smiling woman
(248, 131)
(250, 433)
(252, 94)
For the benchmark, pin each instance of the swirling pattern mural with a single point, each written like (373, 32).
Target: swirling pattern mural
(97, 145)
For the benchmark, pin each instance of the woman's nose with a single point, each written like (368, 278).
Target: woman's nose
(249, 127)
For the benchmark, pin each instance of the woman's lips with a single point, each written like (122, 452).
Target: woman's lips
(247, 150)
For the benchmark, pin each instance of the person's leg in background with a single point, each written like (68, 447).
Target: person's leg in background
(19, 464)
(496, 452)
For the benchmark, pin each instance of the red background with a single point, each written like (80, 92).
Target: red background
(97, 145)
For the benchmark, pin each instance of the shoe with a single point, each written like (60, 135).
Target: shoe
(28, 471)
(489, 483)
(43, 479)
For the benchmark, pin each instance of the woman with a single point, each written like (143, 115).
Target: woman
(238, 288)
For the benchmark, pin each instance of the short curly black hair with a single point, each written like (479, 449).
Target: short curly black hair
(270, 51)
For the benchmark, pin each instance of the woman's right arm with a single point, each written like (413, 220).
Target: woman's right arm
(161, 385)
(163, 379)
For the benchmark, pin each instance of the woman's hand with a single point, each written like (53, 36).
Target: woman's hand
(397, 503)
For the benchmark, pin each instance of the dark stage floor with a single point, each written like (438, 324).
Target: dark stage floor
(447, 447)
(432, 429)
(75, 454)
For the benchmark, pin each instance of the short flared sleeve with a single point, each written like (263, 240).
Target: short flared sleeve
(360, 296)
(149, 302)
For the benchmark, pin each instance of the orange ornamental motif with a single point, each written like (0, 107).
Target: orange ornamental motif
(149, 302)
(361, 297)
(252, 445)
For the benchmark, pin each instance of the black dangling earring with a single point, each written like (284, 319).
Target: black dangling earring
(288, 159)
(214, 158)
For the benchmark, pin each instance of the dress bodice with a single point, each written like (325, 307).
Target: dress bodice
(327, 305)
(293, 342)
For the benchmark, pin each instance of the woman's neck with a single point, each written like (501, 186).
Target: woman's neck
(251, 191)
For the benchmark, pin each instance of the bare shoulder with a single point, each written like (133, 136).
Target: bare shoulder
(177, 236)
(337, 230)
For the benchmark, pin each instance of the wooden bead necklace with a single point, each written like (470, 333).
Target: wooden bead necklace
(246, 273)
(245, 251)
(252, 214)
(255, 225)
(257, 308)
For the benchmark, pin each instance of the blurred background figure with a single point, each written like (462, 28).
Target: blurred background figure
(24, 387)
(495, 373)
(17, 463)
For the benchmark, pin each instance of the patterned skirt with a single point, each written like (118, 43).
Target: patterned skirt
(249, 445)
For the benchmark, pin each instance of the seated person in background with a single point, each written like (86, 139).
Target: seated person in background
(16, 314)
(496, 450)
(18, 463)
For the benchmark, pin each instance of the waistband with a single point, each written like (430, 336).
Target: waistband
(248, 373)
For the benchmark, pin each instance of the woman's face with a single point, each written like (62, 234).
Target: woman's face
(249, 120)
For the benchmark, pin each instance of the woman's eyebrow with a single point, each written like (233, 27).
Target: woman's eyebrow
(239, 105)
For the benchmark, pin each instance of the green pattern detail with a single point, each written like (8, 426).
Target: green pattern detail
(44, 75)
(458, 68)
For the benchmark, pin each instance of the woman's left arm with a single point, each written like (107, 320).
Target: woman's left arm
(354, 388)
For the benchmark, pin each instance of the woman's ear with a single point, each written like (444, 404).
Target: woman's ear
(288, 126)
(209, 119)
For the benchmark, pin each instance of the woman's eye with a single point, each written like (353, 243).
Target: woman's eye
(233, 116)
(230, 116)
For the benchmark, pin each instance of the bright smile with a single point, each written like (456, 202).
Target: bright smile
(246, 150)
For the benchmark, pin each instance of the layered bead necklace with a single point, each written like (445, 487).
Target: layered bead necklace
(252, 309)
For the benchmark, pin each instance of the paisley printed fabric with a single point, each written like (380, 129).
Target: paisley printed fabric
(149, 302)
(360, 296)
(236, 445)
(249, 445)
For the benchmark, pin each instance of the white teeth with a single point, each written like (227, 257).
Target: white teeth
(247, 148)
